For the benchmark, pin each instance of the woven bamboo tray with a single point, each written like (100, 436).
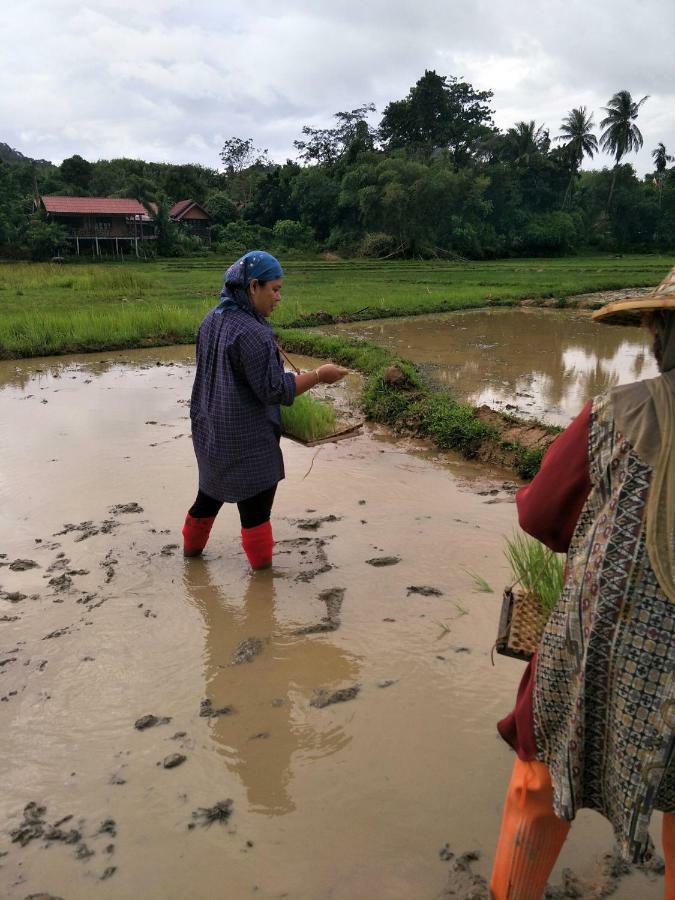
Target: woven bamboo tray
(521, 624)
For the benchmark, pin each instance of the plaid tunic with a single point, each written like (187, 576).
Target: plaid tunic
(239, 384)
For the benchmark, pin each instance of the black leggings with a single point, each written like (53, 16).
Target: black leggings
(252, 512)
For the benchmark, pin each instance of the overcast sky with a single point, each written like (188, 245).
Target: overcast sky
(168, 80)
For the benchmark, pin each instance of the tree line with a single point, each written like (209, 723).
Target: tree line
(435, 177)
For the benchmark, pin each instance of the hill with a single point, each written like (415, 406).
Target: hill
(15, 157)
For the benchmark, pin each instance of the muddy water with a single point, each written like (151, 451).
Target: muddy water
(530, 362)
(342, 801)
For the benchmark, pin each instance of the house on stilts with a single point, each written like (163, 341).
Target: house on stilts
(117, 226)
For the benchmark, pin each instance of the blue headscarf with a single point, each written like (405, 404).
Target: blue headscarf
(254, 264)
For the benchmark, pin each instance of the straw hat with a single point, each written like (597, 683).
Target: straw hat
(629, 312)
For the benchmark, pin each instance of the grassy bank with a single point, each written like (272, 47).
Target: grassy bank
(50, 309)
(395, 395)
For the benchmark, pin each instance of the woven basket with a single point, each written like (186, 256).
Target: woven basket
(521, 624)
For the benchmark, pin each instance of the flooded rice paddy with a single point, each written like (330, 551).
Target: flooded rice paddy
(534, 363)
(166, 725)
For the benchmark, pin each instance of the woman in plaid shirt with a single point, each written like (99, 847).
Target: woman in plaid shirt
(239, 384)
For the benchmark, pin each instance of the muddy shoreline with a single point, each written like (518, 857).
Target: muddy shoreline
(174, 728)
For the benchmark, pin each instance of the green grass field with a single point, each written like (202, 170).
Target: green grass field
(48, 309)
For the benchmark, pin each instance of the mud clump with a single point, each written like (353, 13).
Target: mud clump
(206, 710)
(109, 564)
(246, 651)
(22, 565)
(324, 698)
(13, 596)
(314, 523)
(61, 582)
(424, 590)
(149, 721)
(396, 377)
(380, 561)
(57, 634)
(463, 883)
(42, 896)
(132, 507)
(87, 529)
(611, 868)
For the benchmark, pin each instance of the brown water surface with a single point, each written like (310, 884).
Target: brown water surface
(348, 801)
(537, 363)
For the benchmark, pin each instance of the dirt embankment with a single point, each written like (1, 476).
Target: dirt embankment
(513, 434)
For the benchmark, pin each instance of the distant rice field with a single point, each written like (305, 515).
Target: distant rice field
(49, 309)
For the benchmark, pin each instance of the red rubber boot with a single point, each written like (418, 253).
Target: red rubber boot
(196, 533)
(258, 545)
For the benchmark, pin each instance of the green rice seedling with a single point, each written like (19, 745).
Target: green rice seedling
(308, 419)
(540, 571)
(445, 629)
(481, 584)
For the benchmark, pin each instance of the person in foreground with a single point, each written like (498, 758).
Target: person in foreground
(239, 383)
(594, 721)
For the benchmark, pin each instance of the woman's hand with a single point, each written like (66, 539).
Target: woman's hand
(330, 373)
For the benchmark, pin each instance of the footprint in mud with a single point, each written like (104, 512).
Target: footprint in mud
(333, 598)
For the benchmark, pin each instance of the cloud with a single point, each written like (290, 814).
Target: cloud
(169, 80)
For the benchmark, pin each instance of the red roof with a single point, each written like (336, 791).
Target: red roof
(116, 206)
(178, 209)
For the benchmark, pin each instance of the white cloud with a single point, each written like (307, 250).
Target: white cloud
(169, 79)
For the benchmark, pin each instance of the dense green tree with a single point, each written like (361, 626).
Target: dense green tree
(439, 112)
(352, 134)
(45, 239)
(77, 171)
(621, 134)
(221, 207)
(238, 154)
(314, 194)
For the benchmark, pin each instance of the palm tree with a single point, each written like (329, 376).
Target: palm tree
(661, 159)
(525, 140)
(577, 131)
(621, 136)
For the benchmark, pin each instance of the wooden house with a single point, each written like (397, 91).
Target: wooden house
(118, 225)
(96, 225)
(192, 217)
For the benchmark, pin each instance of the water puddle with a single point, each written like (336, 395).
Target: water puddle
(318, 730)
(535, 363)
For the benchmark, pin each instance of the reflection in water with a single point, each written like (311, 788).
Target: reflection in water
(547, 363)
(272, 726)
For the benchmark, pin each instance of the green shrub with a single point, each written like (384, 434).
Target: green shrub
(452, 425)
(377, 244)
